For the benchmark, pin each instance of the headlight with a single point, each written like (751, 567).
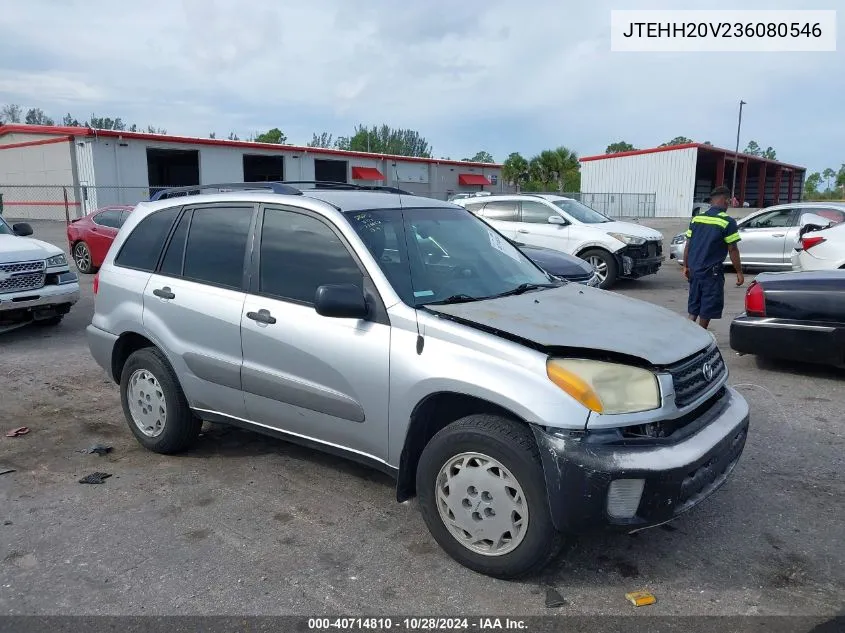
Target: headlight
(679, 239)
(631, 240)
(56, 260)
(605, 387)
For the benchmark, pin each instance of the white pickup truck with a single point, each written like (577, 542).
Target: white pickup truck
(36, 284)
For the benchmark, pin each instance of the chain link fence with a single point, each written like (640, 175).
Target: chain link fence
(57, 202)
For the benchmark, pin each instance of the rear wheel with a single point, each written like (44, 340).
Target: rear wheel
(82, 258)
(483, 496)
(154, 404)
(604, 264)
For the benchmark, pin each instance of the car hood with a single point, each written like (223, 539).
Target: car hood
(628, 228)
(555, 262)
(575, 316)
(19, 249)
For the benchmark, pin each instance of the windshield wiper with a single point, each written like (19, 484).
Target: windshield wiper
(522, 288)
(461, 298)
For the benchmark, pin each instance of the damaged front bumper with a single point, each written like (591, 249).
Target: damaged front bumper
(639, 261)
(674, 474)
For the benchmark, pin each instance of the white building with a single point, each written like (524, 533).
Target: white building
(680, 175)
(102, 167)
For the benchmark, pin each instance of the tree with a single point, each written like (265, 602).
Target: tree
(155, 130)
(233, 137)
(275, 136)
(678, 140)
(105, 123)
(480, 157)
(840, 176)
(827, 174)
(36, 116)
(515, 169)
(770, 153)
(322, 140)
(811, 185)
(753, 149)
(556, 169)
(385, 140)
(212, 135)
(69, 120)
(708, 143)
(11, 113)
(133, 128)
(619, 146)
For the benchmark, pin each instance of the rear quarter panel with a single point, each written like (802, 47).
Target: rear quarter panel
(805, 296)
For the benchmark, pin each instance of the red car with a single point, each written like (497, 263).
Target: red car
(91, 236)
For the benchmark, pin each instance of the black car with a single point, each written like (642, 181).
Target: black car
(794, 316)
(560, 265)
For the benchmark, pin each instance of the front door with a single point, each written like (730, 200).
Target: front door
(764, 238)
(324, 379)
(193, 303)
(534, 228)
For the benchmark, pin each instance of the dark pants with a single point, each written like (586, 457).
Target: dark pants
(707, 293)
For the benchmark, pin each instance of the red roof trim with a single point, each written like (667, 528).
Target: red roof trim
(44, 141)
(701, 146)
(166, 138)
(366, 173)
(473, 179)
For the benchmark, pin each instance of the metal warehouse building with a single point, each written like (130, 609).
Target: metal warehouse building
(102, 167)
(683, 174)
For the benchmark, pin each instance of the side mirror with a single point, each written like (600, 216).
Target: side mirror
(341, 301)
(556, 219)
(22, 229)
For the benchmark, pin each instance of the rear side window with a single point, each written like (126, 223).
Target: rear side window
(110, 218)
(143, 247)
(216, 245)
(300, 253)
(501, 211)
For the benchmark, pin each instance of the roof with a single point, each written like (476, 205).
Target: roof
(57, 130)
(347, 200)
(700, 146)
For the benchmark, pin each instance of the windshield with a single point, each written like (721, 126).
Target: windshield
(5, 229)
(581, 212)
(444, 255)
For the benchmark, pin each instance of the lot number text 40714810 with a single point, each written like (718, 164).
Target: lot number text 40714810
(417, 624)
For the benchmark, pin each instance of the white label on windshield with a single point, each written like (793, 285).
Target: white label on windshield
(423, 293)
(498, 242)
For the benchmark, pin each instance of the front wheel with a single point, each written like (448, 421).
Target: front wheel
(604, 264)
(483, 496)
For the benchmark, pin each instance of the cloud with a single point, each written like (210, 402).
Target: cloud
(489, 75)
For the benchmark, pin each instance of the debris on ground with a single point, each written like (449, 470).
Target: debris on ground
(6, 471)
(640, 598)
(95, 478)
(97, 449)
(554, 599)
(7, 523)
(21, 430)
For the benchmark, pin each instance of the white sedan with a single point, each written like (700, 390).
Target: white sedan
(821, 250)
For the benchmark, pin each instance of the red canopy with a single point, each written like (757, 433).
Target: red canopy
(473, 179)
(366, 173)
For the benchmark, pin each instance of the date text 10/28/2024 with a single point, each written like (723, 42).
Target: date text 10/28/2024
(417, 624)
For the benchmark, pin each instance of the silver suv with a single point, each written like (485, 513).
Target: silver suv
(515, 407)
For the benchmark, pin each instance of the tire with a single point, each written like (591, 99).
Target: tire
(52, 321)
(82, 258)
(603, 260)
(511, 445)
(148, 377)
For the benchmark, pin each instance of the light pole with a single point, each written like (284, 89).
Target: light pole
(736, 153)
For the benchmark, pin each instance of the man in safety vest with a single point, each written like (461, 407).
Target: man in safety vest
(711, 237)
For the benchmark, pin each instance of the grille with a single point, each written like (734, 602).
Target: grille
(22, 276)
(689, 380)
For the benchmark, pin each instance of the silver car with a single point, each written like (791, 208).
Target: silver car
(515, 407)
(769, 236)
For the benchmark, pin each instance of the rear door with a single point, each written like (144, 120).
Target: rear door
(533, 227)
(193, 303)
(324, 379)
(503, 215)
(764, 237)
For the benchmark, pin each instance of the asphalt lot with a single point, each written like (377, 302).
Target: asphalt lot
(250, 525)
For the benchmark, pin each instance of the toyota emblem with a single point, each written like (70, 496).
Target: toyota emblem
(707, 370)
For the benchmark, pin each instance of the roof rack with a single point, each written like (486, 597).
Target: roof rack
(275, 187)
(336, 184)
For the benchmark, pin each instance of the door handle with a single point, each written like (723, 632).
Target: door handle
(522, 231)
(779, 235)
(164, 293)
(262, 316)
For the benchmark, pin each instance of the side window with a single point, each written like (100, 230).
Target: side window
(300, 253)
(143, 246)
(123, 216)
(109, 218)
(536, 212)
(505, 211)
(216, 245)
(175, 253)
(771, 220)
(834, 215)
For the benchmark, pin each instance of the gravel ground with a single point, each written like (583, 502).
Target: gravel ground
(250, 525)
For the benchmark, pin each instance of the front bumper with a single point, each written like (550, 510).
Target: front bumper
(802, 341)
(51, 300)
(678, 474)
(638, 261)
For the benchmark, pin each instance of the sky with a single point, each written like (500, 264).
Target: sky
(496, 75)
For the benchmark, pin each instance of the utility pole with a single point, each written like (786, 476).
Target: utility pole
(736, 153)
